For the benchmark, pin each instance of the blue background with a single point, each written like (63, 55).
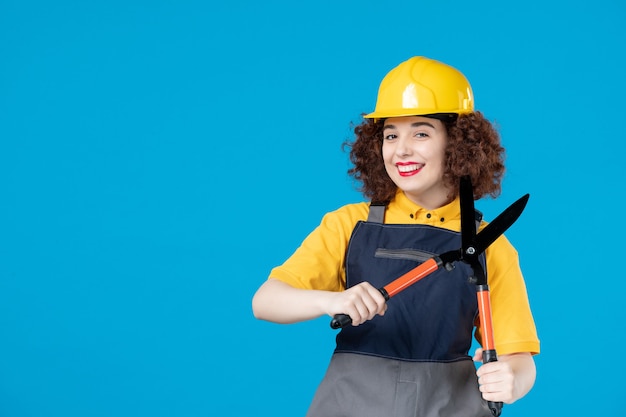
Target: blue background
(158, 158)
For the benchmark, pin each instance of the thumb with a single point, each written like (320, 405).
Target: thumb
(478, 355)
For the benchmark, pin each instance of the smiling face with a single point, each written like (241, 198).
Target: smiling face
(413, 153)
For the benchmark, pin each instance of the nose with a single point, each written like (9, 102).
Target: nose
(403, 147)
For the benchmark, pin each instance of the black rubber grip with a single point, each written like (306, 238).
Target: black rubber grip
(340, 320)
(495, 407)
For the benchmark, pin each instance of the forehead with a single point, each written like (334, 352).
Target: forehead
(412, 121)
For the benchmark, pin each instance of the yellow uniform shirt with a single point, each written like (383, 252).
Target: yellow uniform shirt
(319, 264)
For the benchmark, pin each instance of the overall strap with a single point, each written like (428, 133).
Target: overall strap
(377, 212)
(478, 217)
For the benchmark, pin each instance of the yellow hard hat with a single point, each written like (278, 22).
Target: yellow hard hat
(422, 86)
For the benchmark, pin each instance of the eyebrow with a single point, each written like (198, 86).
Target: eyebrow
(416, 124)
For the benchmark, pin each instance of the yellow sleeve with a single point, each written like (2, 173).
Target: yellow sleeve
(319, 261)
(513, 324)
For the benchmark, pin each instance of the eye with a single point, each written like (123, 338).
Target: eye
(390, 136)
(420, 135)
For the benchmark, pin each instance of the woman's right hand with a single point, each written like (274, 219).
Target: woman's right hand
(361, 302)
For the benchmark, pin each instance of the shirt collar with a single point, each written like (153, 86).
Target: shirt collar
(436, 217)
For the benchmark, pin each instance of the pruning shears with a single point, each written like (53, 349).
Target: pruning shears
(473, 244)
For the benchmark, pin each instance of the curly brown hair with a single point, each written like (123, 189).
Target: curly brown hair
(473, 149)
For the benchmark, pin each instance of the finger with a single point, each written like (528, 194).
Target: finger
(369, 301)
(366, 310)
(350, 303)
(376, 304)
(373, 306)
(496, 381)
(490, 389)
(363, 313)
(380, 304)
(489, 395)
(497, 392)
(363, 302)
(487, 369)
(383, 310)
(478, 355)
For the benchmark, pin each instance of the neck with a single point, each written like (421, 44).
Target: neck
(430, 202)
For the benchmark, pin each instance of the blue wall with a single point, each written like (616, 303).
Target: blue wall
(158, 158)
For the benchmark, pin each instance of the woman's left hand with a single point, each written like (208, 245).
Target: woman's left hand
(508, 379)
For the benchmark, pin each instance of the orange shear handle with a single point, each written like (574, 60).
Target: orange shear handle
(394, 287)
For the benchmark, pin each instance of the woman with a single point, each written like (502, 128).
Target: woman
(409, 357)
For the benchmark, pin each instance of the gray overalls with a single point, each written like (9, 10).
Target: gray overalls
(413, 361)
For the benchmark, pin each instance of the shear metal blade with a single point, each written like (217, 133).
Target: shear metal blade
(468, 220)
(499, 225)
